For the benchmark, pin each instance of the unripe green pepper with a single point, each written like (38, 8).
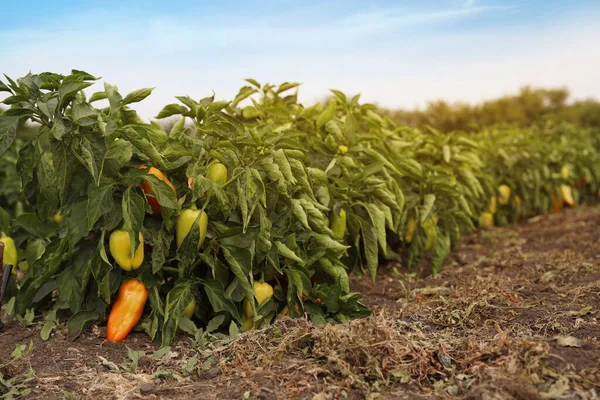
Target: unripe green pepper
(185, 221)
(10, 252)
(120, 249)
(338, 224)
(262, 291)
(189, 310)
(217, 173)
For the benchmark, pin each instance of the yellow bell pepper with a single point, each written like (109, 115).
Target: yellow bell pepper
(567, 195)
(504, 194)
(493, 207)
(186, 220)
(262, 292)
(338, 224)
(120, 249)
(10, 252)
(486, 219)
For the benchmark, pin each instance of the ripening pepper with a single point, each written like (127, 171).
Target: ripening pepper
(504, 194)
(430, 232)
(565, 172)
(518, 201)
(285, 312)
(10, 252)
(186, 220)
(217, 173)
(154, 205)
(486, 219)
(567, 195)
(493, 207)
(120, 249)
(58, 218)
(127, 310)
(262, 292)
(556, 206)
(411, 226)
(338, 224)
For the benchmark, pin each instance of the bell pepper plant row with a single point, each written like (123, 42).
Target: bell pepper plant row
(248, 210)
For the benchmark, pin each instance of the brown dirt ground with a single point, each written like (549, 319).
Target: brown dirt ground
(514, 315)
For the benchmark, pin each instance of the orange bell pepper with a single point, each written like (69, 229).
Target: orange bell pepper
(127, 310)
(154, 205)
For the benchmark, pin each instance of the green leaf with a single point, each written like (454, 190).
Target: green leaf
(427, 207)
(35, 249)
(26, 163)
(286, 86)
(240, 263)
(143, 145)
(253, 82)
(62, 160)
(100, 201)
(4, 220)
(216, 296)
(326, 115)
(8, 132)
(91, 151)
(244, 93)
(299, 213)
(47, 189)
(288, 253)
(50, 324)
(137, 96)
(250, 112)
(163, 193)
(98, 96)
(172, 109)
(337, 272)
(177, 300)
(284, 165)
(369, 236)
(134, 207)
(328, 242)
(79, 320)
(441, 251)
(101, 268)
(160, 250)
(32, 224)
(113, 96)
(377, 216)
(215, 323)
(68, 90)
(4, 88)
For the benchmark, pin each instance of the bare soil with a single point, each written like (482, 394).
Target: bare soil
(514, 315)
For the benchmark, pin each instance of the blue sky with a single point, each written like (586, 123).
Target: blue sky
(395, 53)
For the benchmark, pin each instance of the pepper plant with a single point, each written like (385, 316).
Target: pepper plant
(249, 210)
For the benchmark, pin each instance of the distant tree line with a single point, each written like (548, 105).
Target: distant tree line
(529, 107)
